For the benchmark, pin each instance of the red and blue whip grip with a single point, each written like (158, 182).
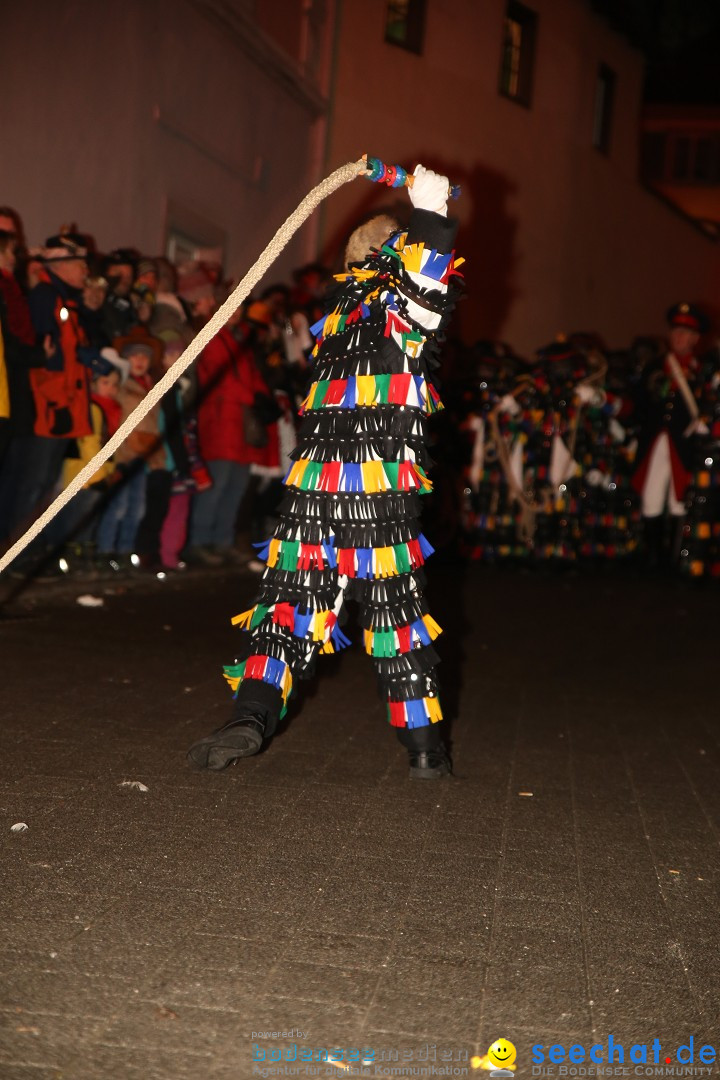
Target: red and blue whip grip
(395, 176)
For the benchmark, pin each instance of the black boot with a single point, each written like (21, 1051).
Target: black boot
(655, 561)
(427, 753)
(254, 717)
(240, 738)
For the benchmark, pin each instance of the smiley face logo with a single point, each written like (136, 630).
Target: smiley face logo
(502, 1054)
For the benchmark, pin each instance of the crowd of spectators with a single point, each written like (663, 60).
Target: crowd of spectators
(577, 453)
(84, 336)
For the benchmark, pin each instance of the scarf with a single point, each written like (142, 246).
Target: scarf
(18, 312)
(112, 412)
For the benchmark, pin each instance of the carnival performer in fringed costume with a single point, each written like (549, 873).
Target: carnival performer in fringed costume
(349, 526)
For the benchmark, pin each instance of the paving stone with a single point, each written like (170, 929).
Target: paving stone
(148, 934)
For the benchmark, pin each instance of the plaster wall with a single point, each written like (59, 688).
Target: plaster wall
(558, 236)
(121, 116)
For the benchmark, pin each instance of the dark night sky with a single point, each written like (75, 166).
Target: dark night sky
(681, 40)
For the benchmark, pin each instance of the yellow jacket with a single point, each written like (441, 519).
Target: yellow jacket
(4, 392)
(88, 446)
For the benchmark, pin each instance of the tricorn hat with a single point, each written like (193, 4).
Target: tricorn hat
(689, 317)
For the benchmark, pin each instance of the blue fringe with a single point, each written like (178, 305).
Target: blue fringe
(416, 714)
(263, 549)
(328, 547)
(339, 639)
(425, 546)
(316, 328)
(351, 479)
(436, 265)
(274, 672)
(302, 623)
(364, 562)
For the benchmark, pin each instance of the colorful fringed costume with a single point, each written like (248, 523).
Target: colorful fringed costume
(349, 523)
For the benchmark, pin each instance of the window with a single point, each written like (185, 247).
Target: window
(654, 151)
(518, 53)
(685, 158)
(706, 167)
(189, 237)
(604, 102)
(681, 158)
(405, 24)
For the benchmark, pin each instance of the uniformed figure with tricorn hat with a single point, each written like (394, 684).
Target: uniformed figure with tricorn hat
(673, 412)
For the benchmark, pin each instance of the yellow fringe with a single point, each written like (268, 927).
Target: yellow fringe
(286, 684)
(243, 619)
(318, 625)
(432, 704)
(374, 478)
(273, 552)
(412, 257)
(331, 323)
(296, 473)
(385, 564)
(431, 626)
(422, 479)
(365, 385)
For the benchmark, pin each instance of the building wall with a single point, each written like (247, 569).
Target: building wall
(130, 117)
(699, 199)
(558, 236)
(211, 116)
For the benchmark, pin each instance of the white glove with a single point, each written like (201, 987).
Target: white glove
(589, 395)
(429, 191)
(617, 431)
(508, 404)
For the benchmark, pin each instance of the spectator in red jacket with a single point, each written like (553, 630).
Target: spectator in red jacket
(230, 390)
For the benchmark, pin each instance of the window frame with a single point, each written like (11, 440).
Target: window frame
(413, 38)
(604, 108)
(526, 19)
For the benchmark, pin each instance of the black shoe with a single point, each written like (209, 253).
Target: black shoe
(429, 764)
(202, 556)
(240, 738)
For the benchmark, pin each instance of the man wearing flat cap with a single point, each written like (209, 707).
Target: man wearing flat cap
(673, 409)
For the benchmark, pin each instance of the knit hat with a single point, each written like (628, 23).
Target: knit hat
(259, 313)
(65, 247)
(116, 362)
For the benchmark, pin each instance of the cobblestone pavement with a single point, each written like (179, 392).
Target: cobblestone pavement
(562, 888)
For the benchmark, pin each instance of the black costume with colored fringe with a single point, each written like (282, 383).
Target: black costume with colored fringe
(349, 522)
